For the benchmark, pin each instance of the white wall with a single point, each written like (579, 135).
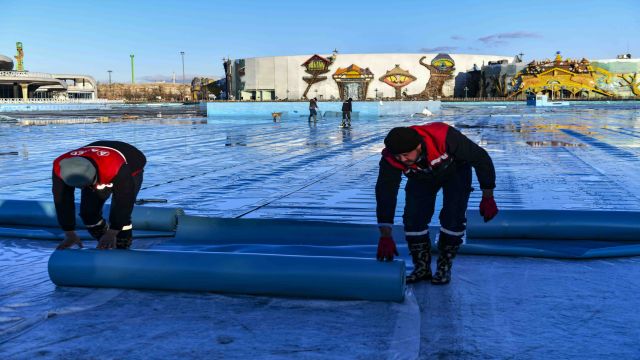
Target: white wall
(286, 72)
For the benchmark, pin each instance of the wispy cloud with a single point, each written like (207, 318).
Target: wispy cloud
(502, 38)
(457, 37)
(439, 49)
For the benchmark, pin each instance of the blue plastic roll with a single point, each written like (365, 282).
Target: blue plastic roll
(203, 230)
(557, 225)
(537, 233)
(42, 214)
(58, 234)
(259, 274)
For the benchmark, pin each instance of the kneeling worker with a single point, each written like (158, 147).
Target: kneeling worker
(432, 157)
(99, 169)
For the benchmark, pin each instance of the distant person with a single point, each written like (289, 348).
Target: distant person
(346, 113)
(99, 169)
(432, 157)
(313, 109)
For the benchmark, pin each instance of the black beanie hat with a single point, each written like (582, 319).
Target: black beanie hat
(402, 140)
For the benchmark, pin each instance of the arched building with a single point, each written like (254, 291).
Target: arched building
(359, 76)
(27, 85)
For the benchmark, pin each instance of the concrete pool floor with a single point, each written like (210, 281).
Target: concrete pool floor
(580, 157)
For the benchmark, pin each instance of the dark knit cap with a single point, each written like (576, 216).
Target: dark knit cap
(402, 140)
(77, 171)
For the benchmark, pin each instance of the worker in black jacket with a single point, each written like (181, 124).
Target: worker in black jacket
(433, 157)
(346, 113)
(99, 169)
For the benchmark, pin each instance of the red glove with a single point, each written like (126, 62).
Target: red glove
(488, 208)
(386, 249)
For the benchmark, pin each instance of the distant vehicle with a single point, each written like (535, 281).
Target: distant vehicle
(543, 100)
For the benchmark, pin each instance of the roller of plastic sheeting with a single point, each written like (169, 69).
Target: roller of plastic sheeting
(202, 230)
(256, 274)
(43, 214)
(58, 234)
(556, 224)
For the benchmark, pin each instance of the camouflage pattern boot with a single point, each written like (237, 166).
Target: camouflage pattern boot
(444, 263)
(421, 256)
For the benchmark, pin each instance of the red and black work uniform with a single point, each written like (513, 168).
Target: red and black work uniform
(445, 163)
(119, 168)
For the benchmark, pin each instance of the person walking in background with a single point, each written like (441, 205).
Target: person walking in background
(313, 109)
(346, 113)
(99, 169)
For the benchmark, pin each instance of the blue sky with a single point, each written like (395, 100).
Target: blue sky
(91, 37)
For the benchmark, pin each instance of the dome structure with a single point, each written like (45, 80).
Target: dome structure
(6, 64)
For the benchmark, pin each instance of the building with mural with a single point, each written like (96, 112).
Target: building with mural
(562, 78)
(357, 76)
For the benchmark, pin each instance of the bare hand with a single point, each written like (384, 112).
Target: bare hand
(108, 240)
(70, 239)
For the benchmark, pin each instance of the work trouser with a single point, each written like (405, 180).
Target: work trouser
(91, 205)
(420, 206)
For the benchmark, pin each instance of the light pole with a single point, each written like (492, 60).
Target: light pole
(465, 91)
(376, 90)
(182, 54)
(109, 71)
(133, 81)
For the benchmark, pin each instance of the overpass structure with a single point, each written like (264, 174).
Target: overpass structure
(27, 85)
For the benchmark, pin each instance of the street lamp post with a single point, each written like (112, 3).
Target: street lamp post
(376, 89)
(182, 54)
(109, 93)
(465, 91)
(133, 81)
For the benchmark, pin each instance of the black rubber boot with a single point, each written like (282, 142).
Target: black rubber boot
(96, 231)
(123, 243)
(421, 256)
(445, 261)
(123, 240)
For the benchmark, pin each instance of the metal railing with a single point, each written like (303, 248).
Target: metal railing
(58, 101)
(25, 74)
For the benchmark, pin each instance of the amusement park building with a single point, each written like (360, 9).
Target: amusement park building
(563, 78)
(359, 76)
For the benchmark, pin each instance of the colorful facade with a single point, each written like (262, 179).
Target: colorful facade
(563, 78)
(359, 76)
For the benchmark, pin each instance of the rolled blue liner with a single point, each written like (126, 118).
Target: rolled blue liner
(258, 274)
(204, 230)
(539, 233)
(557, 225)
(58, 234)
(42, 214)
(509, 224)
